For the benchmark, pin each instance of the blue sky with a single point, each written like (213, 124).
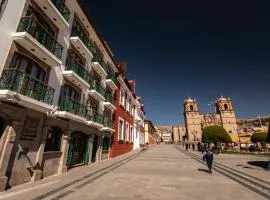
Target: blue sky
(202, 49)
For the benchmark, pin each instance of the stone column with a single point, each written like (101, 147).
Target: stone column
(38, 166)
(12, 132)
(110, 142)
(64, 148)
(100, 142)
(90, 149)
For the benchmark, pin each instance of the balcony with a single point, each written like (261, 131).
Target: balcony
(57, 11)
(77, 74)
(71, 109)
(109, 102)
(25, 90)
(81, 42)
(35, 38)
(97, 91)
(99, 65)
(111, 81)
(108, 125)
(95, 119)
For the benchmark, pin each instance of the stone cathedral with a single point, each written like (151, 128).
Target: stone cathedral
(224, 116)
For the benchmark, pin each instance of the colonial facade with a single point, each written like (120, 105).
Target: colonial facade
(58, 92)
(150, 132)
(195, 122)
(127, 127)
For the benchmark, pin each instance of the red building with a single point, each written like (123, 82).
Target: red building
(123, 137)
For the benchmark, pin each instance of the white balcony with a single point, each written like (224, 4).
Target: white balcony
(111, 83)
(71, 116)
(24, 101)
(99, 69)
(108, 129)
(95, 124)
(53, 13)
(80, 46)
(37, 49)
(109, 105)
(75, 79)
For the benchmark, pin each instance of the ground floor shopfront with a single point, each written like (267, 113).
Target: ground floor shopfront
(34, 146)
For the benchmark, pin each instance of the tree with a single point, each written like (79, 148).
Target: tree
(260, 137)
(215, 134)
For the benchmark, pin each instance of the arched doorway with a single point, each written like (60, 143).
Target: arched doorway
(2, 126)
(95, 148)
(78, 152)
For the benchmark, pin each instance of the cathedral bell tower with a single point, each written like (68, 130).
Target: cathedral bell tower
(225, 109)
(192, 120)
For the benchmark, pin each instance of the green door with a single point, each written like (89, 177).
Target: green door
(70, 152)
(86, 150)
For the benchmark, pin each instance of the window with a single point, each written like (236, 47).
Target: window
(127, 105)
(53, 141)
(191, 107)
(28, 66)
(105, 144)
(226, 106)
(131, 134)
(127, 132)
(122, 97)
(3, 4)
(130, 106)
(121, 129)
(70, 92)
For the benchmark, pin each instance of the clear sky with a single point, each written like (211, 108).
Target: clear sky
(175, 49)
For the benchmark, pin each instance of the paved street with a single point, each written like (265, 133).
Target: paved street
(161, 172)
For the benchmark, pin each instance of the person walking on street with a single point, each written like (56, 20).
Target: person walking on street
(208, 157)
(186, 146)
(193, 146)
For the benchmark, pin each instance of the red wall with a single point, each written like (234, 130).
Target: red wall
(120, 147)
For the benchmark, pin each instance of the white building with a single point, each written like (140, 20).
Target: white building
(139, 124)
(58, 79)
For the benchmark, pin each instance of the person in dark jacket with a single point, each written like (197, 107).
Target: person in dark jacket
(208, 157)
(186, 146)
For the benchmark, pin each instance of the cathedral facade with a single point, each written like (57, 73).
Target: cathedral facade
(224, 116)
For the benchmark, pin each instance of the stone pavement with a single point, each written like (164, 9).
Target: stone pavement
(161, 172)
(250, 164)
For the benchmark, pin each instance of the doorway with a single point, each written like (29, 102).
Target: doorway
(95, 148)
(2, 126)
(78, 152)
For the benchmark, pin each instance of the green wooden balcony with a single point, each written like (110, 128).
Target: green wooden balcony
(78, 32)
(95, 117)
(80, 70)
(97, 58)
(109, 98)
(96, 86)
(72, 106)
(108, 123)
(60, 5)
(17, 81)
(32, 26)
(112, 77)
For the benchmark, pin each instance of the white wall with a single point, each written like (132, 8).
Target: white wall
(8, 25)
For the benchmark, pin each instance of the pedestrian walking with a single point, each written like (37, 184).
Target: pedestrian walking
(186, 146)
(193, 146)
(208, 157)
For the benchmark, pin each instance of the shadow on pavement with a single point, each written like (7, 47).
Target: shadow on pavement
(262, 164)
(204, 170)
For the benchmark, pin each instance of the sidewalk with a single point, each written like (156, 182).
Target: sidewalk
(64, 180)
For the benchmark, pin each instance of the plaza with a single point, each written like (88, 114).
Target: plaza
(160, 172)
